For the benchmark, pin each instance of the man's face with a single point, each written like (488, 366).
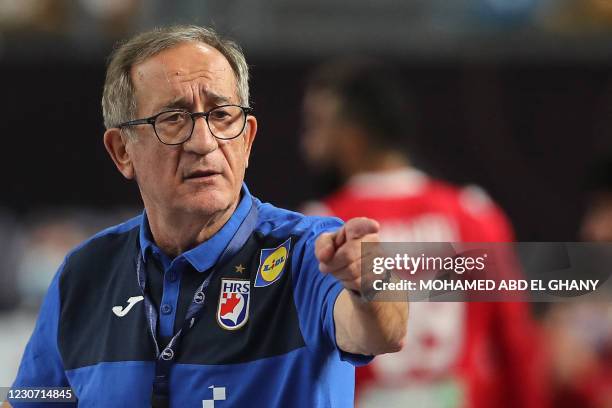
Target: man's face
(203, 175)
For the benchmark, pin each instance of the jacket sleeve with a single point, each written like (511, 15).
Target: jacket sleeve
(315, 293)
(41, 364)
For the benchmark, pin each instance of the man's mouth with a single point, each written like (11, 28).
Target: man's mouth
(201, 175)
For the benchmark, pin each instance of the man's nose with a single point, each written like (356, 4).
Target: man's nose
(202, 141)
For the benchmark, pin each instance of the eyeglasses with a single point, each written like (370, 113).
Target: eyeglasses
(175, 126)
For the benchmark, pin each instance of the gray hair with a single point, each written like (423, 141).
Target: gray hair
(118, 99)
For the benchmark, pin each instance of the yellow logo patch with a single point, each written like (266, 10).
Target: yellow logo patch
(272, 264)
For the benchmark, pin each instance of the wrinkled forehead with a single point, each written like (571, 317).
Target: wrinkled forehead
(184, 74)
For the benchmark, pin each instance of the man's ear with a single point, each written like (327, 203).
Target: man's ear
(115, 143)
(249, 136)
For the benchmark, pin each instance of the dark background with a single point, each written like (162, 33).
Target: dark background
(527, 132)
(513, 95)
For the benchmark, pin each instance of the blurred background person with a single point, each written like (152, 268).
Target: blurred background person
(580, 334)
(358, 126)
(579, 337)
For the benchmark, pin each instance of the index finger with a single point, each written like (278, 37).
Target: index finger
(325, 247)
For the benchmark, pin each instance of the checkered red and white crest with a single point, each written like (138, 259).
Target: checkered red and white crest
(233, 310)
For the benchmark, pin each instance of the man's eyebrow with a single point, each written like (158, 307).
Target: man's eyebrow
(215, 98)
(176, 104)
(209, 96)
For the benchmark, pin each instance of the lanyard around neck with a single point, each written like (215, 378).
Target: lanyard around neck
(165, 358)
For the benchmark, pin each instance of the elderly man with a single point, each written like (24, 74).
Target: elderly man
(210, 297)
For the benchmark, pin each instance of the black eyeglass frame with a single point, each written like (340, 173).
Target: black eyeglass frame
(194, 115)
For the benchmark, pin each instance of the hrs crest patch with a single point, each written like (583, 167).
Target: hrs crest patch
(233, 309)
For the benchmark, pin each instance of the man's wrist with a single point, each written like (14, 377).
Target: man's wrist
(367, 291)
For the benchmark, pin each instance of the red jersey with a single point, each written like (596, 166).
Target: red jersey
(456, 354)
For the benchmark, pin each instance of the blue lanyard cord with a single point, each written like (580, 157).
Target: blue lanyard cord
(150, 310)
(165, 357)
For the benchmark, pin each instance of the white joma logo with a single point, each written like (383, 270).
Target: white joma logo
(122, 311)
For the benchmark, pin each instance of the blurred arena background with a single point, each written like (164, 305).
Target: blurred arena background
(513, 95)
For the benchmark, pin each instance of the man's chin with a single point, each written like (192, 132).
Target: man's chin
(208, 203)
